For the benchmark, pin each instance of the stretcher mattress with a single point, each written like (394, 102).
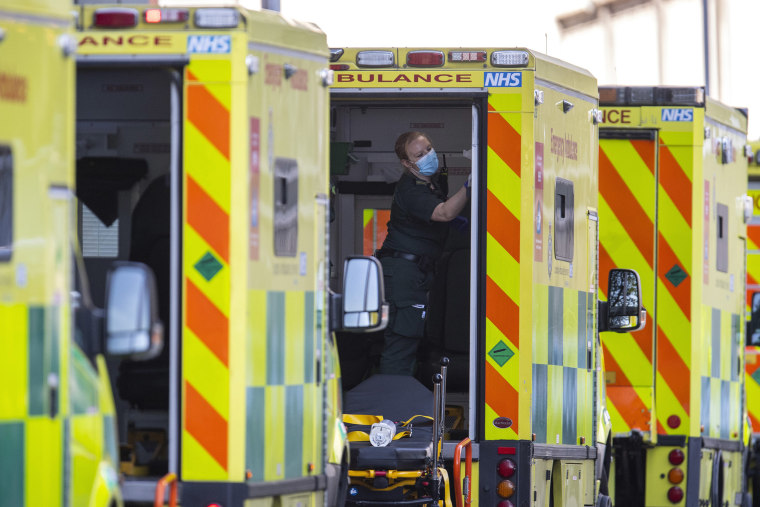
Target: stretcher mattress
(398, 398)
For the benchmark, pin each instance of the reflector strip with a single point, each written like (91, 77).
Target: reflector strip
(204, 215)
(675, 183)
(626, 400)
(675, 372)
(207, 404)
(626, 208)
(504, 225)
(207, 322)
(503, 275)
(505, 314)
(209, 116)
(503, 139)
(206, 425)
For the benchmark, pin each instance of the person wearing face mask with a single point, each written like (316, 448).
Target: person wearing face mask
(417, 230)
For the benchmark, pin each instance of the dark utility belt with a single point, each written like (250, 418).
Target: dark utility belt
(423, 262)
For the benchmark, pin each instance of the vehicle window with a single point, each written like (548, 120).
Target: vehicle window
(564, 203)
(285, 207)
(721, 256)
(6, 203)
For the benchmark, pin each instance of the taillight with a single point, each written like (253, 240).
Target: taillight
(676, 457)
(675, 494)
(506, 468)
(115, 17)
(166, 15)
(424, 59)
(675, 476)
(505, 489)
(674, 421)
(339, 66)
(505, 503)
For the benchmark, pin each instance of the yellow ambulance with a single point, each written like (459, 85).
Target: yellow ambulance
(514, 306)
(201, 152)
(57, 427)
(752, 351)
(673, 198)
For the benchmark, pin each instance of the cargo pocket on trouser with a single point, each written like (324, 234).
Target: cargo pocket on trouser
(410, 320)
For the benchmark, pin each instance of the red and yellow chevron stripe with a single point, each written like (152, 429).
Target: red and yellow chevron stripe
(629, 176)
(206, 251)
(503, 264)
(375, 229)
(752, 353)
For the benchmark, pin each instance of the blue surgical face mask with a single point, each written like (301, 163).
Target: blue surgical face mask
(428, 164)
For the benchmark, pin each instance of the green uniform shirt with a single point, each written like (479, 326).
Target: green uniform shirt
(410, 228)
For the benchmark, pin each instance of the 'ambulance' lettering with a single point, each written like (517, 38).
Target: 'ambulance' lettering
(208, 44)
(403, 78)
(504, 79)
(676, 114)
(615, 116)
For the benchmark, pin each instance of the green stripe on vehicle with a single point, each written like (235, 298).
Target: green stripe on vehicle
(294, 426)
(308, 333)
(37, 374)
(570, 406)
(556, 324)
(12, 464)
(275, 338)
(255, 444)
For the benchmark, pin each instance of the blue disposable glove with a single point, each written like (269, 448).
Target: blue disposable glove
(460, 223)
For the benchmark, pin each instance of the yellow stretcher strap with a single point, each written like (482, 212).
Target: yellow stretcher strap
(447, 493)
(363, 436)
(369, 420)
(366, 420)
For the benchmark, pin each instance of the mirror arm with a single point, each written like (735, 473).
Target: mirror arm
(603, 315)
(99, 330)
(336, 311)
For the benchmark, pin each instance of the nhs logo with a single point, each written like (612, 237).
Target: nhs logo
(208, 44)
(504, 79)
(675, 114)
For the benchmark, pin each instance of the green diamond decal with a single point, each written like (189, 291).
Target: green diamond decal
(756, 375)
(501, 353)
(208, 266)
(676, 275)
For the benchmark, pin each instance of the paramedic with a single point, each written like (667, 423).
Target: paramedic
(420, 217)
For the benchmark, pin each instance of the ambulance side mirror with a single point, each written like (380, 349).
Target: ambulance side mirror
(753, 325)
(132, 326)
(623, 311)
(362, 305)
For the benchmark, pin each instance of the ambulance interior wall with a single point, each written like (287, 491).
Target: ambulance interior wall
(364, 182)
(123, 145)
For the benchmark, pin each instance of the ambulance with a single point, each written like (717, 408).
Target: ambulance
(57, 427)
(514, 308)
(752, 351)
(673, 201)
(201, 153)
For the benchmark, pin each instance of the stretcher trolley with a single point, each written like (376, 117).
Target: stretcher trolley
(395, 441)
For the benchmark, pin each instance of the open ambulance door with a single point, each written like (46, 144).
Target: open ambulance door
(364, 170)
(128, 138)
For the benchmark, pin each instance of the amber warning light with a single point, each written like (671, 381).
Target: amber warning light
(166, 15)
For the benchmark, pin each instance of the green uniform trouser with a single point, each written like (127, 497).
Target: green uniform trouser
(406, 289)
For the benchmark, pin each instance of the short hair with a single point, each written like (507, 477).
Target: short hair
(403, 141)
